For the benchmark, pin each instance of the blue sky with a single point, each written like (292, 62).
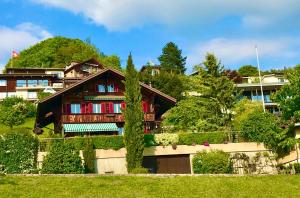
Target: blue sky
(230, 29)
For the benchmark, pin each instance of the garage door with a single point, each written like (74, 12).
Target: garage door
(168, 164)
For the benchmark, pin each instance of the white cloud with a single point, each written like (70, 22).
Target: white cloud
(235, 51)
(22, 36)
(125, 14)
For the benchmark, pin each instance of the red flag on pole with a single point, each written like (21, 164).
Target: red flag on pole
(14, 54)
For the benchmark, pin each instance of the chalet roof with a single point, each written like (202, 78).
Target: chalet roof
(150, 67)
(91, 61)
(28, 75)
(92, 76)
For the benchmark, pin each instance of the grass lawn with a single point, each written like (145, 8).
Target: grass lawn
(134, 186)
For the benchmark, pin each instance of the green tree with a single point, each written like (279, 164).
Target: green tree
(242, 110)
(89, 156)
(248, 70)
(112, 62)
(14, 110)
(134, 133)
(265, 128)
(212, 108)
(288, 96)
(169, 83)
(171, 59)
(218, 92)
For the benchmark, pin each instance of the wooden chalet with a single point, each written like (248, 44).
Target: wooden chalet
(94, 105)
(27, 82)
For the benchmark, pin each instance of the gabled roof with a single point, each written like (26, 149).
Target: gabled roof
(92, 61)
(92, 76)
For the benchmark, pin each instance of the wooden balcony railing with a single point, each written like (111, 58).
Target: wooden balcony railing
(90, 118)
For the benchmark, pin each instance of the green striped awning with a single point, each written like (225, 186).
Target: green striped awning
(90, 127)
(104, 97)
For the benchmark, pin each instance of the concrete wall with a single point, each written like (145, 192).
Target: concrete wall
(112, 161)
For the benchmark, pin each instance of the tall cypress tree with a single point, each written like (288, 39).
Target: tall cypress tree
(134, 133)
(171, 59)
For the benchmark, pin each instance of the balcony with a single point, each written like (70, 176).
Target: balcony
(91, 118)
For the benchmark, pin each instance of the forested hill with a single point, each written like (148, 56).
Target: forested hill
(60, 51)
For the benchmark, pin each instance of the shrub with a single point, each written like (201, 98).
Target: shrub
(18, 151)
(200, 138)
(265, 128)
(297, 168)
(149, 140)
(166, 139)
(89, 157)
(63, 158)
(213, 162)
(99, 142)
(139, 170)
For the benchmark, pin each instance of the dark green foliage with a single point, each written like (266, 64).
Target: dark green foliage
(99, 142)
(171, 59)
(14, 110)
(288, 96)
(18, 151)
(200, 138)
(248, 70)
(63, 158)
(297, 168)
(61, 51)
(112, 62)
(265, 128)
(213, 162)
(140, 170)
(28, 109)
(42, 95)
(55, 52)
(169, 83)
(149, 140)
(89, 157)
(134, 127)
(211, 109)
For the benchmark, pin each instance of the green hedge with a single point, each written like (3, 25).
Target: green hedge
(18, 151)
(200, 138)
(62, 158)
(149, 140)
(99, 142)
(213, 162)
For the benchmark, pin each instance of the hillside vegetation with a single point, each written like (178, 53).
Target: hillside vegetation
(58, 52)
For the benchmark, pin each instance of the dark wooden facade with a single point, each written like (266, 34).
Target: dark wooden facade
(85, 95)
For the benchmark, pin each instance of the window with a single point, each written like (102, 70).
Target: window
(117, 108)
(11, 94)
(32, 95)
(75, 108)
(3, 82)
(101, 88)
(43, 83)
(32, 83)
(21, 83)
(96, 108)
(111, 88)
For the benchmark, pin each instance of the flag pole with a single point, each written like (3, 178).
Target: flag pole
(260, 81)
(12, 59)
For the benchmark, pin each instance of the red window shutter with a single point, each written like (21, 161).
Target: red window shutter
(111, 107)
(82, 108)
(103, 107)
(145, 106)
(123, 105)
(90, 107)
(116, 87)
(67, 109)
